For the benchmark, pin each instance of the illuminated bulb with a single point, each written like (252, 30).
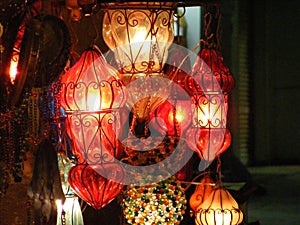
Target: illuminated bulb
(13, 68)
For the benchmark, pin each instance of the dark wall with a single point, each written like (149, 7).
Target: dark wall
(260, 44)
(276, 87)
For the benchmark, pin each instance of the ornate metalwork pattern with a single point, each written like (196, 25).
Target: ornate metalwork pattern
(95, 137)
(143, 37)
(210, 111)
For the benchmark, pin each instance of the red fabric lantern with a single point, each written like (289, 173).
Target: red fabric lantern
(209, 136)
(95, 189)
(213, 59)
(172, 118)
(92, 96)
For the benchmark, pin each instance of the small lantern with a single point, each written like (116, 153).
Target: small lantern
(219, 208)
(172, 117)
(209, 134)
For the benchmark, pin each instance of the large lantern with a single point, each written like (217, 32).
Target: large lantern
(92, 96)
(139, 34)
(219, 208)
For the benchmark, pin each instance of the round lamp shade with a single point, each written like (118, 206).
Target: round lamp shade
(219, 208)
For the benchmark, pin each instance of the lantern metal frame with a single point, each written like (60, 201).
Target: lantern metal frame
(203, 216)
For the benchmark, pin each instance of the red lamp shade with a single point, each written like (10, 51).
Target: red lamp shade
(212, 60)
(202, 192)
(172, 119)
(209, 136)
(95, 189)
(209, 143)
(92, 97)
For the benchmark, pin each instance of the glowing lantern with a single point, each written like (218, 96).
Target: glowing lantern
(139, 34)
(219, 208)
(91, 96)
(201, 193)
(209, 135)
(95, 189)
(171, 118)
(211, 105)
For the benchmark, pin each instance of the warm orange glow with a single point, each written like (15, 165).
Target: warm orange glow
(210, 111)
(180, 115)
(91, 85)
(90, 93)
(172, 118)
(219, 208)
(138, 36)
(202, 192)
(13, 68)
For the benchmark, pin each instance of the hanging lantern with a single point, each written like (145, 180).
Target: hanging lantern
(139, 34)
(97, 190)
(160, 203)
(171, 118)
(219, 208)
(209, 134)
(91, 96)
(202, 192)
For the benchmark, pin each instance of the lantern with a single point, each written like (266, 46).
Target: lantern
(219, 208)
(171, 117)
(139, 34)
(91, 96)
(97, 185)
(211, 105)
(202, 192)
